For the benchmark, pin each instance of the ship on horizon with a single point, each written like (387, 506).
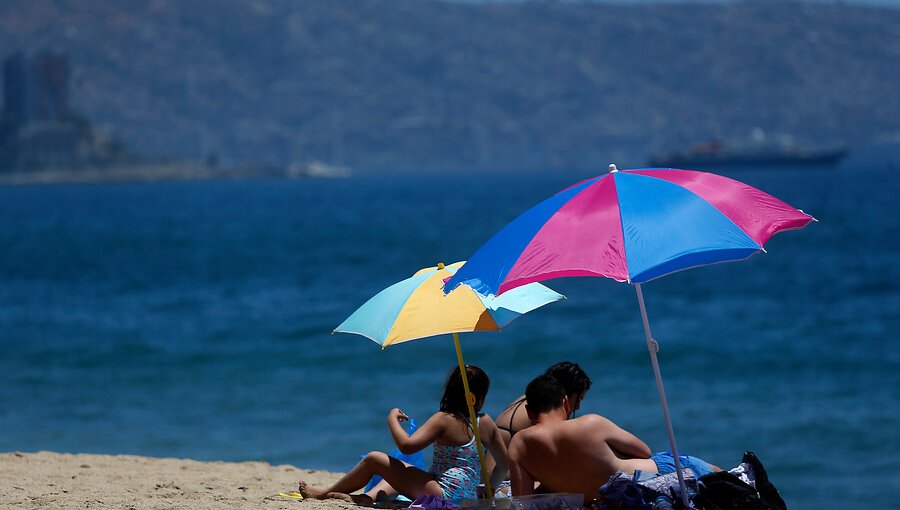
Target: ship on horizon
(715, 153)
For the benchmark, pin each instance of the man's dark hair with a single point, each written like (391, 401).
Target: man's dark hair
(543, 394)
(571, 376)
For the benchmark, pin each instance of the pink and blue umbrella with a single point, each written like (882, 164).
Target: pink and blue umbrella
(631, 226)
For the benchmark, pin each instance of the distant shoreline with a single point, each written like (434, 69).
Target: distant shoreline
(78, 481)
(184, 171)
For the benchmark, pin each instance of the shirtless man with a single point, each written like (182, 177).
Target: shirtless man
(577, 455)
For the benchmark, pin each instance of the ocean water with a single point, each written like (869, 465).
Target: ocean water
(194, 320)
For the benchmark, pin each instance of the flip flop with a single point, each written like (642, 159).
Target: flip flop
(291, 495)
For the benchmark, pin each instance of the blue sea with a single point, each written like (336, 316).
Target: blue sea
(194, 320)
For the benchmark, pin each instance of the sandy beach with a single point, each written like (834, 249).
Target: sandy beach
(84, 481)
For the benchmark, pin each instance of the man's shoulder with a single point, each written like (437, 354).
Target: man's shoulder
(530, 435)
(525, 435)
(592, 421)
(590, 417)
(519, 444)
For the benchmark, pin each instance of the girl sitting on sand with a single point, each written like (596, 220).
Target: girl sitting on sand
(455, 471)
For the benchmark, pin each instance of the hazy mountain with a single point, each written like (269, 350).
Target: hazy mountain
(416, 84)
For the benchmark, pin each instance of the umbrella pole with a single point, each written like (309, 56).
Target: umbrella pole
(470, 400)
(653, 346)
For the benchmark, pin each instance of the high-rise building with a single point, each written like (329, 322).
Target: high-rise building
(36, 88)
(37, 128)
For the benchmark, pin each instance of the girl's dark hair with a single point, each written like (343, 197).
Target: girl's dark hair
(571, 376)
(454, 399)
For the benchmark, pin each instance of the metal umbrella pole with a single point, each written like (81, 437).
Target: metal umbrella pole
(653, 347)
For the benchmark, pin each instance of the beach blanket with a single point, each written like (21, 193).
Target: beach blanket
(745, 487)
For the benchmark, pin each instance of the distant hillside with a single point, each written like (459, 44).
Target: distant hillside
(416, 84)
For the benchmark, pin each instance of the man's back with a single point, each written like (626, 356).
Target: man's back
(577, 455)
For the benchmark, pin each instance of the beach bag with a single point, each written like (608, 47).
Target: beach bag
(725, 491)
(767, 491)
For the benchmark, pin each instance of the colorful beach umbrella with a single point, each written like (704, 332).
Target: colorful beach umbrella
(631, 226)
(417, 308)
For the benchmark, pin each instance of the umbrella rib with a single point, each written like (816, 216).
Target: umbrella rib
(621, 226)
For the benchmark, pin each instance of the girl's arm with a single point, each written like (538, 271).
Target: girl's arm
(421, 438)
(490, 433)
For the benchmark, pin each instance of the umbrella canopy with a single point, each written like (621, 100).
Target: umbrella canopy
(417, 308)
(632, 226)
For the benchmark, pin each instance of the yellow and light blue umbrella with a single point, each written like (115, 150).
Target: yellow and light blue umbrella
(417, 308)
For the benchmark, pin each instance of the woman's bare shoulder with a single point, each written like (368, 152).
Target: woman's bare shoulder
(485, 421)
(509, 407)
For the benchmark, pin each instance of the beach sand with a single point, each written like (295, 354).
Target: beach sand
(85, 481)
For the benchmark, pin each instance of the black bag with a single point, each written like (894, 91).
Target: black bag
(766, 490)
(724, 491)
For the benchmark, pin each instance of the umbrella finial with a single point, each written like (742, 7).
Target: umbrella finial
(440, 265)
(613, 169)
